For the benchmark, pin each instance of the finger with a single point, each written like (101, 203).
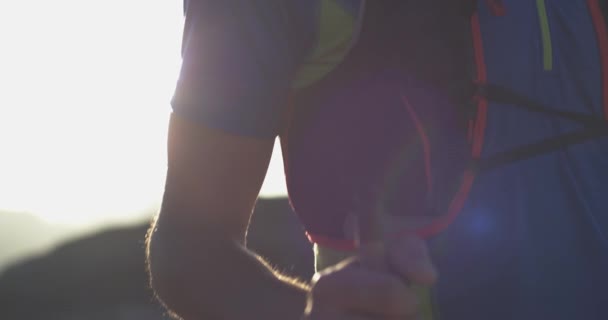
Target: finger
(362, 290)
(409, 257)
(339, 315)
(373, 256)
(412, 317)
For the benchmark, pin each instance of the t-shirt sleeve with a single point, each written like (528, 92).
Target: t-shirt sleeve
(239, 60)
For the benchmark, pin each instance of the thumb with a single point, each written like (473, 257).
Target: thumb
(372, 255)
(409, 257)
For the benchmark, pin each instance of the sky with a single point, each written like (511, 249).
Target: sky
(84, 104)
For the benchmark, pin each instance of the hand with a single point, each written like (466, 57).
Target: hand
(353, 290)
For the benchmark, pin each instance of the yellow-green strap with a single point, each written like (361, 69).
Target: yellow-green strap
(545, 35)
(336, 33)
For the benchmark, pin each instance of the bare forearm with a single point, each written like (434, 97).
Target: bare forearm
(200, 274)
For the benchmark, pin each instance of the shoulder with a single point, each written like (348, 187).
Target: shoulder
(239, 60)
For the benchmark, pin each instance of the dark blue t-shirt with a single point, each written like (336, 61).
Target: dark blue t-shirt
(239, 62)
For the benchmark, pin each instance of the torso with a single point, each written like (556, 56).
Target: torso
(532, 239)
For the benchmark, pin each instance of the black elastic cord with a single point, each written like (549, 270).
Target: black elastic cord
(594, 127)
(507, 96)
(538, 148)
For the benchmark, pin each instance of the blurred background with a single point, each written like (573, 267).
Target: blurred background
(84, 105)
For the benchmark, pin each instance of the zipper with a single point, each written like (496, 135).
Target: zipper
(545, 33)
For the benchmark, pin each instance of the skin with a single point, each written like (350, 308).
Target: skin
(200, 267)
(375, 285)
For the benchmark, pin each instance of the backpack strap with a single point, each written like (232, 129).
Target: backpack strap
(338, 23)
(594, 127)
(504, 95)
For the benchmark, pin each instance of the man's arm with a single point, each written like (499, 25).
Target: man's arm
(198, 263)
(239, 57)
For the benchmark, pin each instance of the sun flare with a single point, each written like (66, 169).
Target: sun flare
(84, 104)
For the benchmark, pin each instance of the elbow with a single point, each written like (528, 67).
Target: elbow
(181, 271)
(164, 279)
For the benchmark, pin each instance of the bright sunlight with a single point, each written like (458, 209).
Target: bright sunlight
(84, 103)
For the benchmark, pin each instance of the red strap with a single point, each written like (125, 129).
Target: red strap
(602, 39)
(426, 145)
(482, 103)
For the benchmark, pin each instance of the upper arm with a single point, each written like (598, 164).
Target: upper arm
(239, 57)
(239, 61)
(213, 177)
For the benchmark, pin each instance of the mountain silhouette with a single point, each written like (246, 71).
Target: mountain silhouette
(24, 234)
(102, 275)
